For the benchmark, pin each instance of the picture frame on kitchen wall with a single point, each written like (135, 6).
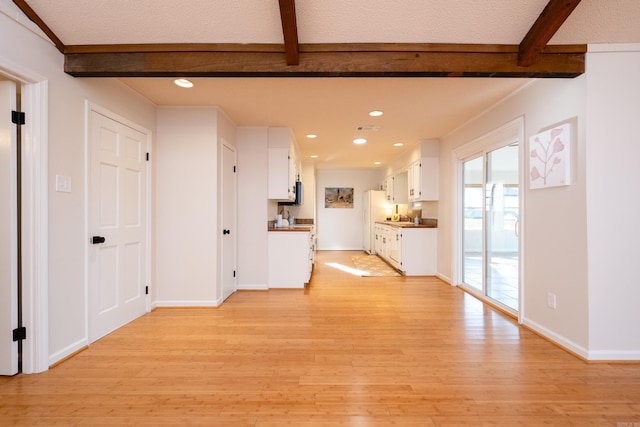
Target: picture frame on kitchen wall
(338, 197)
(550, 158)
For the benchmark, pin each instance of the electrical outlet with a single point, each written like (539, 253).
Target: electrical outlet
(551, 300)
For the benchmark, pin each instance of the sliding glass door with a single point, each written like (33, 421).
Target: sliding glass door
(490, 224)
(501, 225)
(472, 228)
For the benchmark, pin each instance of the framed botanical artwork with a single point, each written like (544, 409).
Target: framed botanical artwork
(338, 197)
(550, 158)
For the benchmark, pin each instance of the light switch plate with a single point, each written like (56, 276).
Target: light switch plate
(63, 184)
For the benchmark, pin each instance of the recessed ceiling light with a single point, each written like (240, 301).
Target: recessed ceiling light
(398, 144)
(377, 163)
(183, 83)
(375, 113)
(312, 136)
(359, 141)
(314, 156)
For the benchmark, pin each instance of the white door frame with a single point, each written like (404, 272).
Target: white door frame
(34, 217)
(491, 140)
(89, 108)
(234, 229)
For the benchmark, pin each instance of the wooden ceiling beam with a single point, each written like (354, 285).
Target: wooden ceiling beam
(550, 20)
(33, 16)
(323, 60)
(290, 31)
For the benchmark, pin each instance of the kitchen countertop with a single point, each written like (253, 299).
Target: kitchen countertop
(297, 227)
(424, 223)
(301, 224)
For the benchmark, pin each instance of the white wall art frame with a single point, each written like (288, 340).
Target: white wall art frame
(550, 158)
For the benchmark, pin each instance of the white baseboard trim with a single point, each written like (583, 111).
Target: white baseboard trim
(615, 355)
(68, 351)
(253, 287)
(557, 339)
(444, 278)
(186, 303)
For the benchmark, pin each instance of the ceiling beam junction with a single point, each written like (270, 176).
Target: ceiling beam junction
(550, 20)
(33, 16)
(290, 31)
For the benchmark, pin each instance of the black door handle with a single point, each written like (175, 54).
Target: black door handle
(97, 239)
(226, 231)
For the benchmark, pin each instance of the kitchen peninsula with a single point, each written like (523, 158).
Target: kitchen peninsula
(408, 247)
(291, 255)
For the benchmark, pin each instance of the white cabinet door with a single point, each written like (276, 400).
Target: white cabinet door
(278, 174)
(395, 247)
(283, 165)
(419, 251)
(388, 187)
(423, 183)
(429, 179)
(400, 188)
(413, 181)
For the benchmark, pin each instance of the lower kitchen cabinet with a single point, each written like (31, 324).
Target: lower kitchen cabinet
(291, 257)
(412, 250)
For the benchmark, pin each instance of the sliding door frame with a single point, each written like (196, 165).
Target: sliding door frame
(504, 135)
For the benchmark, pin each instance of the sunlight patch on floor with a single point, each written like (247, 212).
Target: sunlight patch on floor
(350, 270)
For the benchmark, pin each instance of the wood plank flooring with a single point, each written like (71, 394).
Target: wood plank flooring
(346, 351)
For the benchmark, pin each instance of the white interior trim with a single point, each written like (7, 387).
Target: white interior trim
(477, 147)
(35, 219)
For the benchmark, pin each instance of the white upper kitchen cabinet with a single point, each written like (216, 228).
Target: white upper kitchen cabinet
(283, 167)
(423, 181)
(400, 188)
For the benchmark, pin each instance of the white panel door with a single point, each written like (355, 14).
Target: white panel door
(8, 231)
(117, 223)
(228, 221)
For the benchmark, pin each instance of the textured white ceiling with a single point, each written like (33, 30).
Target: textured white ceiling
(414, 108)
(330, 21)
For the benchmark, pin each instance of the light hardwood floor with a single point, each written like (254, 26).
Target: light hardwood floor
(347, 350)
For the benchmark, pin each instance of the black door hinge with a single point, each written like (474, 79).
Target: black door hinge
(234, 273)
(234, 169)
(17, 117)
(146, 290)
(20, 333)
(147, 157)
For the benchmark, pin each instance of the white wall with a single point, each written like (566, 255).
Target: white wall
(554, 220)
(341, 229)
(252, 207)
(613, 202)
(23, 49)
(186, 209)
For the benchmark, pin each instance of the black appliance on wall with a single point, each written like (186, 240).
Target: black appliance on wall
(298, 200)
